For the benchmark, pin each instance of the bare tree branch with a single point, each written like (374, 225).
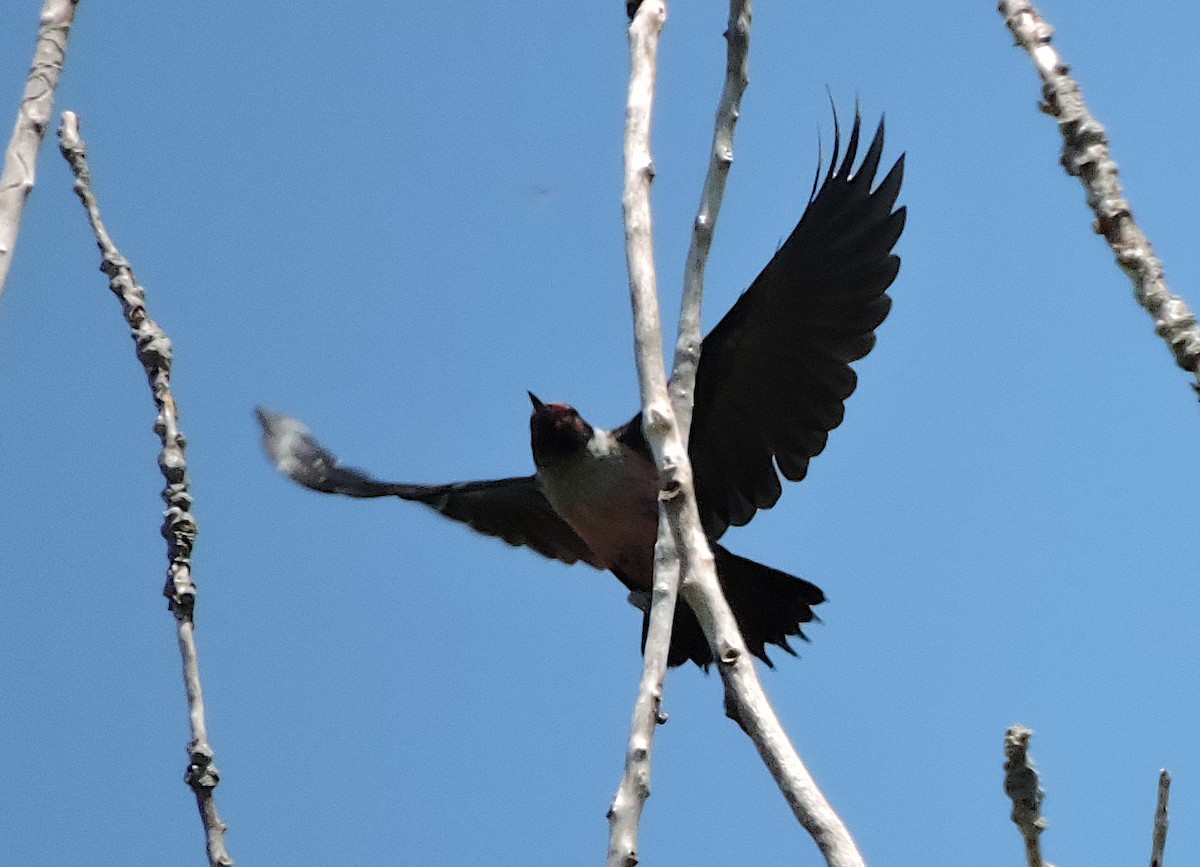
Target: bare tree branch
(746, 703)
(626, 810)
(1021, 784)
(687, 346)
(1086, 156)
(680, 528)
(179, 527)
(1161, 819)
(20, 160)
(634, 787)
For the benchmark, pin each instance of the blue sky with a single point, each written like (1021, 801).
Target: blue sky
(392, 221)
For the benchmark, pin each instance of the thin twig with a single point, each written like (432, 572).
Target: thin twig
(687, 346)
(745, 700)
(1161, 819)
(1021, 784)
(20, 160)
(1086, 156)
(179, 527)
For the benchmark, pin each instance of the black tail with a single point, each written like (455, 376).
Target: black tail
(769, 606)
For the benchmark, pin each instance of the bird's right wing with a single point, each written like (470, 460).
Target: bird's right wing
(513, 509)
(775, 373)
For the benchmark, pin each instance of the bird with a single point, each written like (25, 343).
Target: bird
(771, 383)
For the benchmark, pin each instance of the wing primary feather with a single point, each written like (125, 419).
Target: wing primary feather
(837, 143)
(851, 148)
(870, 164)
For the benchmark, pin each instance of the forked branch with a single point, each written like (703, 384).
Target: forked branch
(682, 546)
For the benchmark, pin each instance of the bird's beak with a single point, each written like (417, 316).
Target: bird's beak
(538, 406)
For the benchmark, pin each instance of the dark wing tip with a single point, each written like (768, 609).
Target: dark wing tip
(837, 141)
(851, 146)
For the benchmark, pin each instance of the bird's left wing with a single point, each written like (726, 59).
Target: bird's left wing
(513, 509)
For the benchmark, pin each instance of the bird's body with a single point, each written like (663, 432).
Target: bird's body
(607, 494)
(771, 383)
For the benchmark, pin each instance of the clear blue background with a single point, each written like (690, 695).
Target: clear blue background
(390, 219)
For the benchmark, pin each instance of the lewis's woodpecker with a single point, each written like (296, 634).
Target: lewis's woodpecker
(772, 381)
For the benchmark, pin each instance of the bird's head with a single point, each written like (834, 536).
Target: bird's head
(556, 431)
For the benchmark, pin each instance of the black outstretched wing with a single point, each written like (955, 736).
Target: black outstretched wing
(514, 509)
(775, 372)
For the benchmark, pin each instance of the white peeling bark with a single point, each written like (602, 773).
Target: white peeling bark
(626, 810)
(20, 160)
(688, 340)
